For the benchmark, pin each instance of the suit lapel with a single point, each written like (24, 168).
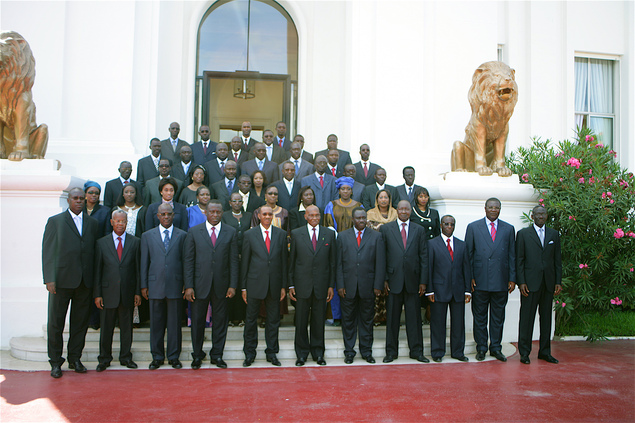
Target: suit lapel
(486, 234)
(71, 223)
(534, 236)
(411, 231)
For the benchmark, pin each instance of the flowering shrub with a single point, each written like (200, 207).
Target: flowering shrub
(590, 200)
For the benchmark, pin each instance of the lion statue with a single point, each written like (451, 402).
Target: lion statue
(20, 137)
(493, 96)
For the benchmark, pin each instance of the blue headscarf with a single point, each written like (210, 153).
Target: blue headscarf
(89, 184)
(344, 180)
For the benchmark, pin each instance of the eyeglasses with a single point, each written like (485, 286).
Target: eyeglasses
(92, 192)
(164, 165)
(272, 193)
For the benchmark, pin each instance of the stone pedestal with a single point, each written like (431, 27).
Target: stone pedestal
(30, 192)
(463, 195)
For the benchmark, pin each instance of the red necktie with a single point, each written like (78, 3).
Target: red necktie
(359, 238)
(125, 182)
(322, 181)
(235, 156)
(267, 241)
(205, 148)
(365, 171)
(280, 141)
(403, 235)
(450, 250)
(314, 240)
(493, 231)
(333, 171)
(213, 236)
(119, 248)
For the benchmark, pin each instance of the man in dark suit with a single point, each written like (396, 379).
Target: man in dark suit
(223, 189)
(162, 284)
(407, 277)
(167, 188)
(216, 166)
(114, 186)
(406, 191)
(171, 146)
(333, 157)
(288, 187)
(181, 169)
(203, 150)
(368, 196)
(247, 140)
(539, 272)
(322, 184)
(302, 166)
(263, 278)
(68, 249)
(312, 262)
(361, 267)
(304, 154)
(281, 138)
(364, 169)
(260, 162)
(117, 289)
(237, 153)
(358, 188)
(148, 166)
(210, 262)
(251, 200)
(272, 151)
(331, 144)
(491, 249)
(151, 192)
(448, 285)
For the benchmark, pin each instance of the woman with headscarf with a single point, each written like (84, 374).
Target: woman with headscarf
(92, 207)
(423, 215)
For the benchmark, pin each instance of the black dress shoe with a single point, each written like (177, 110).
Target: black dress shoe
(498, 356)
(101, 367)
(389, 359)
(422, 358)
(348, 359)
(320, 361)
(437, 359)
(524, 359)
(77, 366)
(197, 363)
(56, 372)
(274, 360)
(219, 362)
(176, 363)
(462, 358)
(369, 359)
(248, 361)
(129, 364)
(548, 359)
(155, 364)
(300, 362)
(480, 356)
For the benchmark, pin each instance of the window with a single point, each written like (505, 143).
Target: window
(595, 96)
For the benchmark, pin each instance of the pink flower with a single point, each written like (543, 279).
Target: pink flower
(572, 218)
(583, 266)
(557, 302)
(564, 304)
(581, 180)
(590, 171)
(559, 154)
(603, 195)
(573, 162)
(616, 301)
(589, 138)
(614, 153)
(561, 179)
(525, 177)
(592, 180)
(631, 269)
(599, 145)
(619, 233)
(611, 202)
(609, 193)
(630, 234)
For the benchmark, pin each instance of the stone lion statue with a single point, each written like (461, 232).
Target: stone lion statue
(493, 96)
(20, 136)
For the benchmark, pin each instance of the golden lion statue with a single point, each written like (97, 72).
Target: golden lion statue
(493, 96)
(20, 137)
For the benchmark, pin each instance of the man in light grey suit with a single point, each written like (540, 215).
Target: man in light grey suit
(491, 250)
(302, 167)
(322, 183)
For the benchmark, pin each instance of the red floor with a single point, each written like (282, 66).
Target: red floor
(593, 382)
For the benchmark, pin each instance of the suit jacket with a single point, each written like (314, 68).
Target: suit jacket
(369, 193)
(493, 264)
(67, 256)
(285, 200)
(325, 195)
(214, 171)
(219, 192)
(306, 168)
(535, 262)
(448, 279)
(360, 269)
(286, 142)
(402, 193)
(207, 266)
(179, 174)
(312, 271)
(358, 190)
(255, 201)
(162, 271)
(151, 192)
(306, 156)
(117, 282)
(405, 268)
(146, 170)
(263, 271)
(345, 157)
(269, 168)
(278, 154)
(250, 144)
(167, 152)
(359, 173)
(113, 190)
(243, 156)
(339, 171)
(198, 154)
(180, 216)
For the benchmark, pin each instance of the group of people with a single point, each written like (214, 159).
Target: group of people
(236, 230)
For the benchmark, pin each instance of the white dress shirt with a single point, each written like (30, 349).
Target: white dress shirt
(78, 220)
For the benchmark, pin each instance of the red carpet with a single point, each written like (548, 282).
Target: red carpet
(593, 382)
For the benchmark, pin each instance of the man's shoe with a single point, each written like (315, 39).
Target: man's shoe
(389, 359)
(219, 362)
(274, 360)
(498, 356)
(300, 362)
(548, 359)
(176, 363)
(462, 358)
(56, 372)
(248, 361)
(422, 358)
(348, 359)
(77, 366)
(155, 364)
(369, 359)
(320, 361)
(197, 363)
(480, 356)
(129, 364)
(101, 367)
(437, 359)
(524, 359)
